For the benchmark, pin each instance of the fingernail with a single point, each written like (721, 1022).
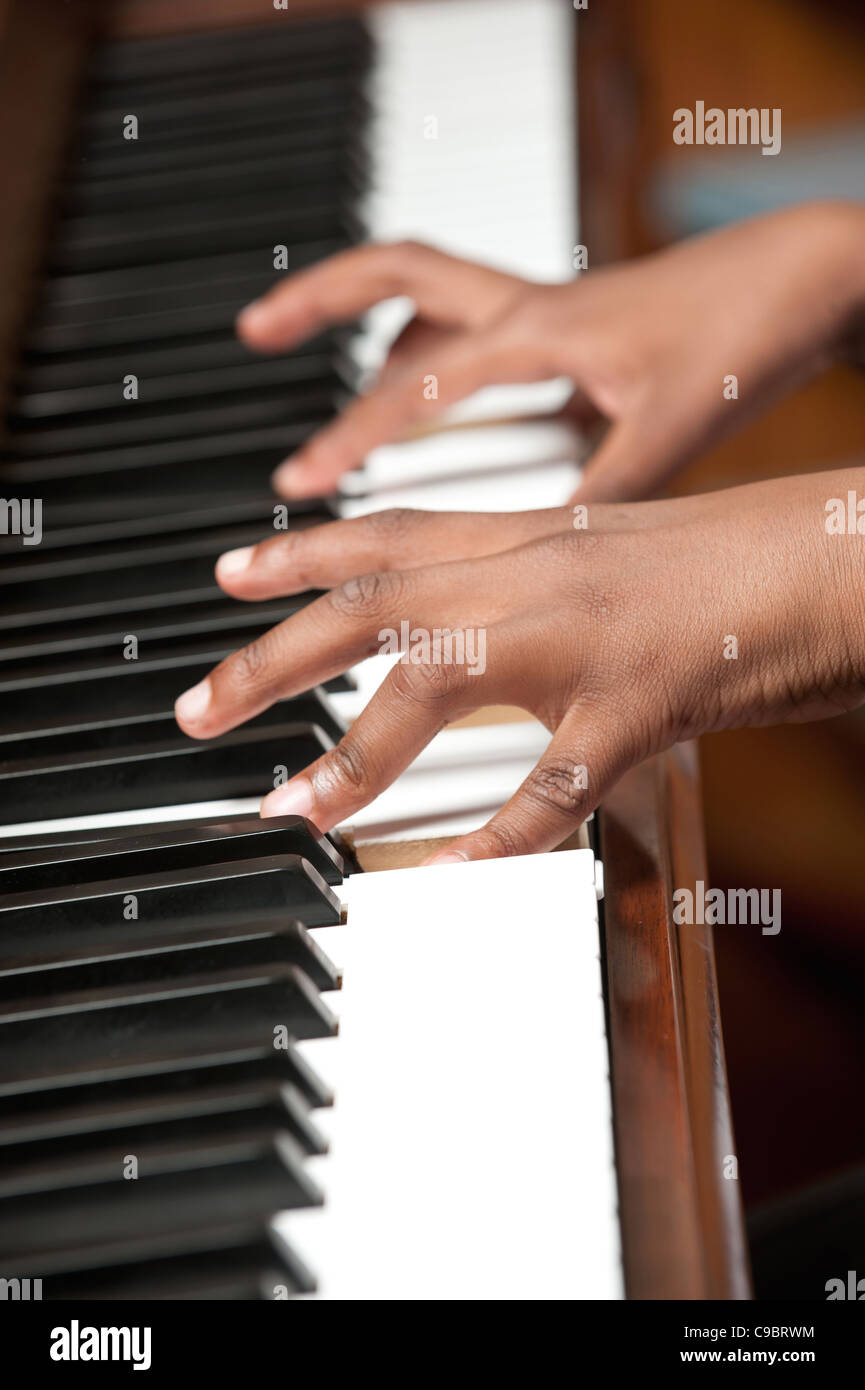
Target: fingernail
(448, 856)
(253, 315)
(292, 799)
(288, 479)
(234, 562)
(193, 703)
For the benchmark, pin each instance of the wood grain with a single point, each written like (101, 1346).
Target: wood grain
(682, 1228)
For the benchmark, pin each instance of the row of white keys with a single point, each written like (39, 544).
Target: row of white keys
(471, 1152)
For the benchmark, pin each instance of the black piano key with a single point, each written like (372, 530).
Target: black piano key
(238, 1272)
(239, 1275)
(105, 690)
(256, 408)
(43, 927)
(201, 531)
(95, 1116)
(252, 1111)
(179, 770)
(151, 572)
(173, 950)
(184, 63)
(209, 515)
(180, 1186)
(124, 60)
(90, 294)
(138, 465)
(122, 1022)
(55, 1098)
(205, 177)
(72, 372)
(98, 153)
(104, 636)
(152, 850)
(143, 478)
(286, 372)
(165, 957)
(338, 127)
(180, 119)
(58, 737)
(94, 243)
(167, 1264)
(88, 835)
(199, 312)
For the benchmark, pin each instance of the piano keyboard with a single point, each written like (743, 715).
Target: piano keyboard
(167, 989)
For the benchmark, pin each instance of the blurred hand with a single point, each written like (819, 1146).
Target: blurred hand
(651, 346)
(659, 622)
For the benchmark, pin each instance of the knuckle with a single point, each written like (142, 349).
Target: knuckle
(392, 525)
(527, 315)
(292, 556)
(251, 668)
(505, 842)
(581, 559)
(553, 786)
(345, 768)
(367, 596)
(410, 250)
(570, 549)
(429, 683)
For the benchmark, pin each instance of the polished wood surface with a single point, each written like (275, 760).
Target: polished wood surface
(682, 1226)
(783, 806)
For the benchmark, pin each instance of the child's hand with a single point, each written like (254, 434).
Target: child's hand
(676, 350)
(660, 622)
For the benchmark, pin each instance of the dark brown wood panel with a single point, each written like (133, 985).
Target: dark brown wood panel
(43, 45)
(682, 1228)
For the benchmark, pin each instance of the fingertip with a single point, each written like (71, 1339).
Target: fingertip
(294, 798)
(446, 856)
(191, 708)
(234, 563)
(253, 321)
(294, 480)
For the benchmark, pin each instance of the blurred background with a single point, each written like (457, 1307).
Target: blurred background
(784, 807)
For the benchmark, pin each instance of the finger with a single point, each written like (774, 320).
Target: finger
(616, 470)
(337, 290)
(581, 410)
(410, 707)
(586, 757)
(638, 454)
(324, 639)
(397, 539)
(471, 361)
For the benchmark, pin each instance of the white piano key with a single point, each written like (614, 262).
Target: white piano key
(471, 1149)
(487, 449)
(516, 491)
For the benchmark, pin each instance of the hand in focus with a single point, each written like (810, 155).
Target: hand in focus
(651, 345)
(659, 622)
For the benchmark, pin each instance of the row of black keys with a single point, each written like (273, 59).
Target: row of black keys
(160, 242)
(140, 499)
(151, 984)
(86, 730)
(144, 975)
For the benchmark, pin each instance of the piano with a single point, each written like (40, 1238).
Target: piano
(242, 1059)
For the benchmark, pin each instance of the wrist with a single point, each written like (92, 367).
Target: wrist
(844, 525)
(840, 246)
